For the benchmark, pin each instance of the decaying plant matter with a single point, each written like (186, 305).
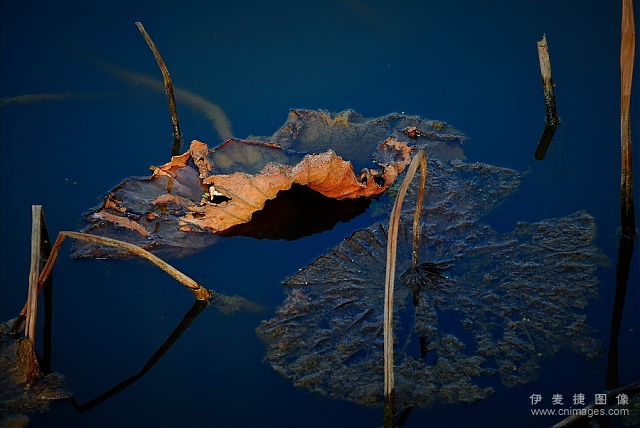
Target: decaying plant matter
(21, 393)
(204, 192)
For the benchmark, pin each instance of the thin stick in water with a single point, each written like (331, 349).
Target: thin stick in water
(200, 292)
(547, 82)
(177, 135)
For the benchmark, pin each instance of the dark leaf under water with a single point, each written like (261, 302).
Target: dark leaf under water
(481, 303)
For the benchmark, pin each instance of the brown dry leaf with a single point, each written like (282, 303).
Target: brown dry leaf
(169, 169)
(326, 173)
(262, 188)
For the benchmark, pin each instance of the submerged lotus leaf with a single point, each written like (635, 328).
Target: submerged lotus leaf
(480, 304)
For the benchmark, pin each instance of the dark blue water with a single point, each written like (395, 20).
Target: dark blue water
(474, 66)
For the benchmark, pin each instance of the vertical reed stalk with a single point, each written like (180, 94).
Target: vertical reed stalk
(625, 256)
(547, 82)
(627, 53)
(34, 273)
(392, 244)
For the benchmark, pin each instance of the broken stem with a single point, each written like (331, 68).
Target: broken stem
(392, 243)
(627, 53)
(168, 86)
(547, 82)
(34, 272)
(527, 331)
(200, 292)
(625, 256)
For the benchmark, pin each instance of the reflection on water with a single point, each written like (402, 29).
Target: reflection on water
(213, 112)
(38, 98)
(189, 317)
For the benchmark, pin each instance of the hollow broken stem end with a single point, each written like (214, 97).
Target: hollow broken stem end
(203, 293)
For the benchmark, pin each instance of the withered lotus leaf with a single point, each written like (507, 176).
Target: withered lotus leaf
(206, 192)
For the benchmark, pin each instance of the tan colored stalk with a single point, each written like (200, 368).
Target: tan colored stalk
(201, 292)
(34, 272)
(392, 243)
(547, 82)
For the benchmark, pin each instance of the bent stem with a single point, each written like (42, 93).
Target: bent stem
(392, 244)
(201, 292)
(187, 320)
